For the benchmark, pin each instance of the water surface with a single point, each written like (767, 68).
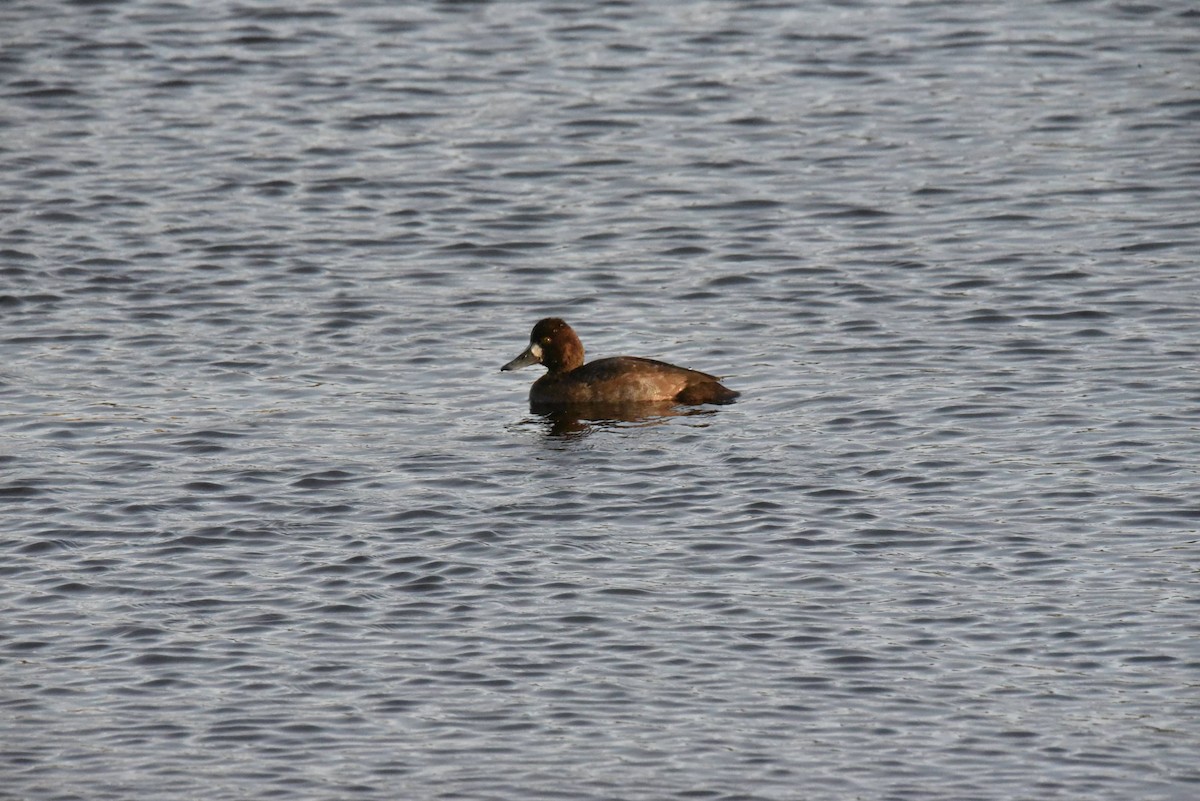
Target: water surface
(275, 525)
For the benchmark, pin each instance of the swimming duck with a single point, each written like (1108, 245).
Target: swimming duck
(615, 380)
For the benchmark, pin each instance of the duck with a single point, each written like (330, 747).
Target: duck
(615, 380)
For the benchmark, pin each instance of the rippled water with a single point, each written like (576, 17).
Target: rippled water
(274, 525)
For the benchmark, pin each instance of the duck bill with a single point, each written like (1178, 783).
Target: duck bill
(531, 355)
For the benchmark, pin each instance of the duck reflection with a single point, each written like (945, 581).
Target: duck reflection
(580, 420)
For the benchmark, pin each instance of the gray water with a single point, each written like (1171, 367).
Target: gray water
(274, 525)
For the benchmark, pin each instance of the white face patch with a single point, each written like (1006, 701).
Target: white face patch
(536, 350)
